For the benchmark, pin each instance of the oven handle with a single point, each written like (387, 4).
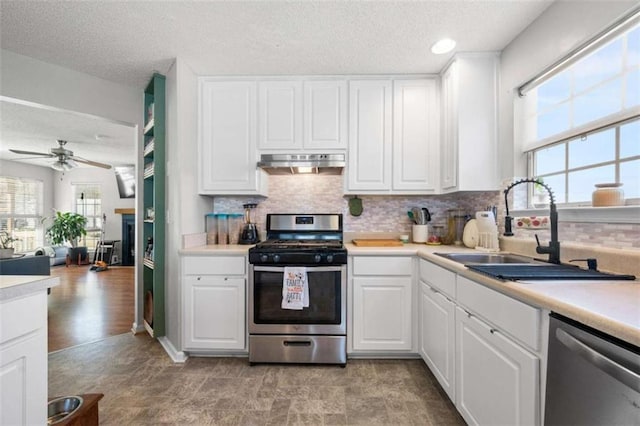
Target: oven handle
(599, 361)
(309, 268)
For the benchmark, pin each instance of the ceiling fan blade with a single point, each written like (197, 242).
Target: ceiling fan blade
(19, 151)
(90, 163)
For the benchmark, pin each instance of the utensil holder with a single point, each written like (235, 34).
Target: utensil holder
(420, 233)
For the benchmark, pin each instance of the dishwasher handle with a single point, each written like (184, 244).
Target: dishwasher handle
(612, 368)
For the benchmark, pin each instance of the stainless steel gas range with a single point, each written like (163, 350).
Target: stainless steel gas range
(297, 291)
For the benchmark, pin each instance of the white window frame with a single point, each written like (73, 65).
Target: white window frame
(37, 217)
(93, 232)
(568, 212)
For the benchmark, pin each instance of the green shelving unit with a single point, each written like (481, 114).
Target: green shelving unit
(153, 191)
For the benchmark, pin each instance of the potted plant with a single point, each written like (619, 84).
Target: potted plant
(6, 245)
(68, 227)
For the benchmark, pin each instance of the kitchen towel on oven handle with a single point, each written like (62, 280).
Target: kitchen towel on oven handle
(295, 288)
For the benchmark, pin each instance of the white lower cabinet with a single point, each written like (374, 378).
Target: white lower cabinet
(437, 336)
(481, 347)
(214, 316)
(381, 312)
(497, 380)
(23, 360)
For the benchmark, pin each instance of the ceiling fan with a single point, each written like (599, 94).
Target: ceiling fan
(65, 158)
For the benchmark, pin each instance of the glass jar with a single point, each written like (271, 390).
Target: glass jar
(211, 227)
(607, 195)
(223, 229)
(235, 227)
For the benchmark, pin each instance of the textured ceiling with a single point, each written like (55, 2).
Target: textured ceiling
(125, 42)
(36, 129)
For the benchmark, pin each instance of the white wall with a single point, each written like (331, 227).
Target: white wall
(29, 79)
(63, 199)
(186, 209)
(561, 28)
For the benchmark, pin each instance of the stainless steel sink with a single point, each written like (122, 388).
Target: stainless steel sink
(487, 258)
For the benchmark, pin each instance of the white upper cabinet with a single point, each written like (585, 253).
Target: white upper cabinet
(280, 117)
(227, 139)
(469, 123)
(370, 135)
(393, 137)
(308, 115)
(415, 135)
(325, 115)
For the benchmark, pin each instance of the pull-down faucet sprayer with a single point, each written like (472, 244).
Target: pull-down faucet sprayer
(553, 249)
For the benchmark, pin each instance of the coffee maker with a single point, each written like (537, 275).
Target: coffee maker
(249, 234)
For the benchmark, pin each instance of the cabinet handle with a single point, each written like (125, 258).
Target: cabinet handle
(492, 330)
(226, 278)
(198, 278)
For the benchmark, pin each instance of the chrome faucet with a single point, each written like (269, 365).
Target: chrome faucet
(553, 249)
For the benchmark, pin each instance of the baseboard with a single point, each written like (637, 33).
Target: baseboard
(137, 328)
(174, 354)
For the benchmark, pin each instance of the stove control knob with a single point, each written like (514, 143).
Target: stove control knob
(317, 258)
(276, 258)
(329, 258)
(264, 258)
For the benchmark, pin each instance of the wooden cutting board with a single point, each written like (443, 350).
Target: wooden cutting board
(377, 243)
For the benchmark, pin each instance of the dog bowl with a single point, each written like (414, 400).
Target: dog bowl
(61, 408)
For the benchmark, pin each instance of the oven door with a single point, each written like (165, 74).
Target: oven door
(326, 314)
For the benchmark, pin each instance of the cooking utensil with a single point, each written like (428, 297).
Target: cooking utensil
(411, 216)
(418, 215)
(427, 215)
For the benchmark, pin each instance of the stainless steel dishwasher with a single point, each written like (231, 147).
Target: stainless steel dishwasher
(592, 378)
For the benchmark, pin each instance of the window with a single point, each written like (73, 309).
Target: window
(88, 202)
(21, 211)
(581, 125)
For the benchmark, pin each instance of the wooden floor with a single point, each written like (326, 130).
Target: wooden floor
(88, 305)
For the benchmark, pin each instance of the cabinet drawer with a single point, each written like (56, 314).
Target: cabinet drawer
(438, 277)
(22, 316)
(514, 317)
(373, 265)
(214, 265)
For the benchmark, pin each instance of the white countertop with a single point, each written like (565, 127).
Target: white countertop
(13, 286)
(610, 306)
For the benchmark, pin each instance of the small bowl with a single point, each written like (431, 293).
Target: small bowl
(61, 408)
(404, 238)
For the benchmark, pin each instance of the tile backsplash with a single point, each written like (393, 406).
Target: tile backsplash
(324, 194)
(386, 213)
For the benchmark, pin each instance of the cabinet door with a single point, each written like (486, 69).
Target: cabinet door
(437, 336)
(23, 360)
(415, 135)
(280, 118)
(227, 142)
(382, 313)
(497, 380)
(325, 115)
(214, 312)
(369, 135)
(449, 148)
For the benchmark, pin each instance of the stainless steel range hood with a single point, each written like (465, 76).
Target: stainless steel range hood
(287, 164)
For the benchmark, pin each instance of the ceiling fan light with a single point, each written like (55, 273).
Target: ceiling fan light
(58, 166)
(71, 163)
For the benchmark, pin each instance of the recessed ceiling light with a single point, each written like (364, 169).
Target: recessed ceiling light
(445, 45)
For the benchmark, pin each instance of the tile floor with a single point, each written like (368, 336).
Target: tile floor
(142, 386)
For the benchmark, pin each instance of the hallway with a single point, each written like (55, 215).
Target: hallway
(88, 305)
